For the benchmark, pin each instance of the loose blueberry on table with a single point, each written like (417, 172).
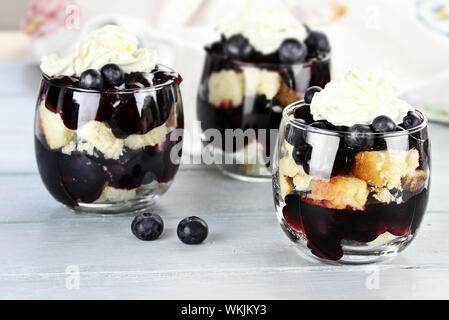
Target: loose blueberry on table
(192, 230)
(147, 226)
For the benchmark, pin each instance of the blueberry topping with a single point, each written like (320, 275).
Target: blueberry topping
(410, 121)
(383, 124)
(308, 96)
(292, 51)
(91, 79)
(147, 226)
(317, 42)
(136, 80)
(113, 75)
(192, 230)
(360, 136)
(237, 47)
(303, 113)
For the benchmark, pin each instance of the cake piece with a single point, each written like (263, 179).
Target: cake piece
(302, 181)
(261, 82)
(340, 192)
(385, 168)
(153, 137)
(286, 185)
(287, 95)
(99, 135)
(415, 182)
(226, 89)
(382, 195)
(288, 167)
(112, 194)
(56, 133)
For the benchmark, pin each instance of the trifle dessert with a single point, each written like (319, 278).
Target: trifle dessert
(352, 170)
(264, 61)
(109, 123)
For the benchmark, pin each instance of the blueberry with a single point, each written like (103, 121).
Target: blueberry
(360, 136)
(113, 75)
(301, 154)
(410, 121)
(294, 135)
(147, 226)
(91, 79)
(137, 80)
(192, 230)
(317, 42)
(308, 96)
(383, 124)
(237, 47)
(292, 51)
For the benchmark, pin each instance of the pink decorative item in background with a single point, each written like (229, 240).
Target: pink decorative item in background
(47, 17)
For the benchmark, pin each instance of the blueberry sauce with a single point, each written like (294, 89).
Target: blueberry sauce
(325, 228)
(82, 177)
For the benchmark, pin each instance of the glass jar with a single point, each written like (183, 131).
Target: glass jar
(110, 151)
(240, 104)
(347, 205)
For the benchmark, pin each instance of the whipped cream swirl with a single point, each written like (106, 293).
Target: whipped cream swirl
(358, 98)
(110, 44)
(266, 24)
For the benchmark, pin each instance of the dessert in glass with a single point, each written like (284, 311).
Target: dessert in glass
(108, 124)
(352, 170)
(264, 61)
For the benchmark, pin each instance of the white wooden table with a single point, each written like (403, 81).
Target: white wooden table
(246, 256)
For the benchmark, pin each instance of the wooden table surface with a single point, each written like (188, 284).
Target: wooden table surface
(246, 256)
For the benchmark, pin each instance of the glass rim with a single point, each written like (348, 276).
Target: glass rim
(48, 79)
(295, 105)
(307, 63)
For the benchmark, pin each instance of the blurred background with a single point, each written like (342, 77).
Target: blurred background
(410, 38)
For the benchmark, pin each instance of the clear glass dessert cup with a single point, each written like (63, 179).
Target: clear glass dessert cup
(111, 151)
(348, 206)
(239, 105)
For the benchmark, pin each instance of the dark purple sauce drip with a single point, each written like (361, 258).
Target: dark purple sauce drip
(325, 228)
(81, 177)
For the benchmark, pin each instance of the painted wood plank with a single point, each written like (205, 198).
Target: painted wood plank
(245, 257)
